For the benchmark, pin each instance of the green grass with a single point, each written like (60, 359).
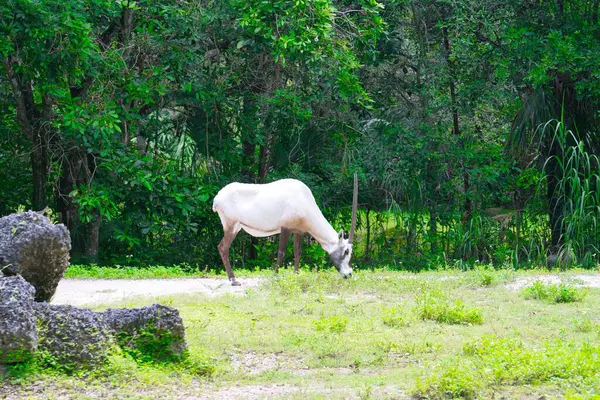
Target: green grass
(93, 271)
(561, 293)
(494, 361)
(395, 317)
(586, 325)
(381, 335)
(434, 305)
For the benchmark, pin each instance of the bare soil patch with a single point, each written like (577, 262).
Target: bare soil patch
(581, 280)
(80, 292)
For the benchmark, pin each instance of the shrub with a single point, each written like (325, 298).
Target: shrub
(561, 293)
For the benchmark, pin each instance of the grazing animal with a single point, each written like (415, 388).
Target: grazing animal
(282, 207)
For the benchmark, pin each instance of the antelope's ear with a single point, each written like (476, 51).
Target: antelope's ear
(341, 234)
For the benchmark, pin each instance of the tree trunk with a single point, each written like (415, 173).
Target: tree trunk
(433, 229)
(71, 174)
(248, 150)
(368, 224)
(30, 121)
(39, 166)
(93, 238)
(263, 165)
(467, 208)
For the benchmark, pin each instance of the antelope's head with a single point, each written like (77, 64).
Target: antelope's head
(340, 257)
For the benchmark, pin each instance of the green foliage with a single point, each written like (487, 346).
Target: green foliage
(486, 279)
(577, 188)
(143, 110)
(93, 271)
(432, 304)
(290, 284)
(561, 293)
(493, 361)
(150, 345)
(266, 337)
(395, 317)
(586, 325)
(452, 379)
(335, 324)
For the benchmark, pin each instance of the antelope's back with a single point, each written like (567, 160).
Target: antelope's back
(273, 197)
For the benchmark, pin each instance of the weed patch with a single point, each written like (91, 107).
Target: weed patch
(434, 305)
(395, 317)
(335, 324)
(492, 362)
(561, 293)
(453, 378)
(586, 325)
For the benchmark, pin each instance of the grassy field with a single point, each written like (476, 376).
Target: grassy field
(479, 334)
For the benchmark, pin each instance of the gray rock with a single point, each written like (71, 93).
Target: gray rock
(33, 247)
(155, 332)
(18, 335)
(72, 337)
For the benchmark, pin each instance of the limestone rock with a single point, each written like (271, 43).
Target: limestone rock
(18, 335)
(72, 337)
(154, 332)
(36, 249)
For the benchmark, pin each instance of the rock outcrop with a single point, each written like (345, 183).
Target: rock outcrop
(18, 334)
(72, 338)
(36, 249)
(154, 332)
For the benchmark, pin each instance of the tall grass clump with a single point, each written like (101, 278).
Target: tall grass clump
(433, 305)
(561, 293)
(577, 195)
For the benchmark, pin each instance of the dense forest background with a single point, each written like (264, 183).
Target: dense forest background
(472, 125)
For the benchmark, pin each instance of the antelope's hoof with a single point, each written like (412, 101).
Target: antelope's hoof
(235, 283)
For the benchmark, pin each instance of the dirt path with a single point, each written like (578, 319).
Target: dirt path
(79, 292)
(584, 280)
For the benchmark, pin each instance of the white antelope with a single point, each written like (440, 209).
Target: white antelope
(286, 206)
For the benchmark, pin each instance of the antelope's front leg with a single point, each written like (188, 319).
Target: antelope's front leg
(229, 235)
(283, 239)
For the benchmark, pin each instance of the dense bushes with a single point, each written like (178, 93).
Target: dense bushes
(134, 117)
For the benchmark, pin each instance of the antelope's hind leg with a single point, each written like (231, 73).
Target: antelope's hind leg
(284, 236)
(229, 235)
(297, 250)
